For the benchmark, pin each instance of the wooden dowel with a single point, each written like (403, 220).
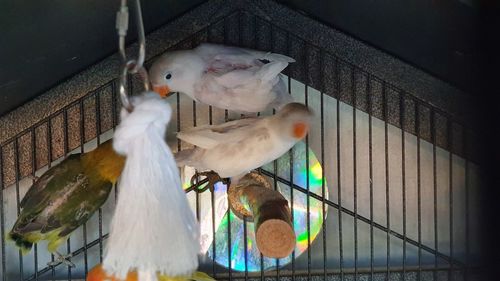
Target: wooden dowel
(254, 199)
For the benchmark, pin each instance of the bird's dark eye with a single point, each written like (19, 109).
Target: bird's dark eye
(168, 76)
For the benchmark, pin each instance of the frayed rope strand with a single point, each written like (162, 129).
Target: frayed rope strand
(153, 228)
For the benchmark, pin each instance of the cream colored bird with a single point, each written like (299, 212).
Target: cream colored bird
(233, 78)
(234, 148)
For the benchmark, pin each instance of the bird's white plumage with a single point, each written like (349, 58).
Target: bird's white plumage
(209, 136)
(237, 147)
(236, 54)
(153, 228)
(238, 79)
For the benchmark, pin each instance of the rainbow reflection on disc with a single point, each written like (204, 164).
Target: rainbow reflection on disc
(234, 249)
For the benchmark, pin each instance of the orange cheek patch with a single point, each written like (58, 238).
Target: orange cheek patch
(163, 91)
(300, 130)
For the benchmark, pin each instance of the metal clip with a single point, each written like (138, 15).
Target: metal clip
(122, 27)
(134, 65)
(143, 73)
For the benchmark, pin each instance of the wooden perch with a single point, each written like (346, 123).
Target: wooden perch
(269, 210)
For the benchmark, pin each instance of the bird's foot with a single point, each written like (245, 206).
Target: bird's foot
(211, 178)
(59, 258)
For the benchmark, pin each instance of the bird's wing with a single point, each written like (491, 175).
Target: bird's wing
(238, 55)
(41, 195)
(65, 196)
(225, 59)
(252, 76)
(271, 70)
(210, 136)
(282, 95)
(80, 206)
(37, 193)
(236, 77)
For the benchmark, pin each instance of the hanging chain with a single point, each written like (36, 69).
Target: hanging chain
(131, 66)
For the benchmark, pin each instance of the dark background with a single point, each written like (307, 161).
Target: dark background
(43, 42)
(437, 36)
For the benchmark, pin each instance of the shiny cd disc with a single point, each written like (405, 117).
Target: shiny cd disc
(230, 243)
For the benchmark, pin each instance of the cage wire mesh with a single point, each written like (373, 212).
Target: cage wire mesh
(383, 186)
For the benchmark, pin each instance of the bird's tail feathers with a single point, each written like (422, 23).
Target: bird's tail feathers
(55, 240)
(25, 241)
(201, 276)
(270, 70)
(277, 58)
(22, 242)
(183, 157)
(283, 97)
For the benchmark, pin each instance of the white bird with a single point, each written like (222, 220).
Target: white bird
(234, 148)
(233, 78)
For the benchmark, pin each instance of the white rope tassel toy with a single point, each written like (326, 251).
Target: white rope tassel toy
(153, 228)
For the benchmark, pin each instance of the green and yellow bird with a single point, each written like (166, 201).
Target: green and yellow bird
(65, 197)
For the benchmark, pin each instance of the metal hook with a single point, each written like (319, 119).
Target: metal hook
(123, 90)
(143, 73)
(131, 66)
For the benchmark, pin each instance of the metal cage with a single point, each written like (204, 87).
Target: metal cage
(400, 172)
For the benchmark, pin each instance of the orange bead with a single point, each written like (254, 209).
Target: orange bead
(98, 274)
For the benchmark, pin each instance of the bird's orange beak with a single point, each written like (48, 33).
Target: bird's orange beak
(300, 130)
(163, 91)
